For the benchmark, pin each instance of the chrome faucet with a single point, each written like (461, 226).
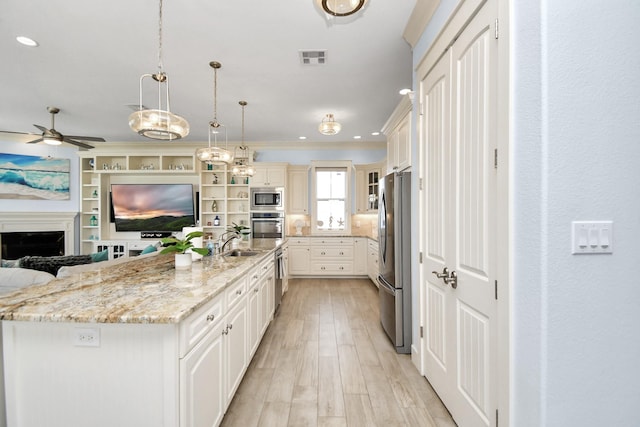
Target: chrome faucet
(222, 243)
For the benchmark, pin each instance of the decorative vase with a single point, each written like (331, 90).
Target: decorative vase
(183, 261)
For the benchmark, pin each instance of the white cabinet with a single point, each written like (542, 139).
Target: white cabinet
(236, 350)
(269, 175)
(267, 298)
(360, 256)
(398, 132)
(367, 185)
(332, 256)
(202, 381)
(372, 261)
(253, 304)
(298, 190)
(224, 200)
(299, 259)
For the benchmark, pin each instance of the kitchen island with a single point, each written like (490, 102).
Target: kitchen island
(136, 344)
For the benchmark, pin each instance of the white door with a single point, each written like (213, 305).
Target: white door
(459, 125)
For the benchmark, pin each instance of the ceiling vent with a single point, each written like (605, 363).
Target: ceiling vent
(313, 57)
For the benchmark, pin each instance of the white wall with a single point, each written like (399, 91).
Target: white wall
(61, 152)
(576, 156)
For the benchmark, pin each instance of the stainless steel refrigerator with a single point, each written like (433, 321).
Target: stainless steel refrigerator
(394, 236)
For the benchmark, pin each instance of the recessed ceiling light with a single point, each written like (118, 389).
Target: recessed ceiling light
(404, 91)
(27, 41)
(357, 137)
(302, 137)
(375, 133)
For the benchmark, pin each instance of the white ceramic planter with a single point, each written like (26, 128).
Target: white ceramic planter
(183, 261)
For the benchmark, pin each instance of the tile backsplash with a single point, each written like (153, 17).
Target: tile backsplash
(361, 225)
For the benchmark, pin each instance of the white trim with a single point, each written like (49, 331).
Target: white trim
(420, 17)
(42, 221)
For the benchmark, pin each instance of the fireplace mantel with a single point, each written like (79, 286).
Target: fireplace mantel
(41, 221)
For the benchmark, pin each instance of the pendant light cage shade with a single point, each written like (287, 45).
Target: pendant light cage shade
(215, 155)
(158, 123)
(341, 7)
(329, 126)
(242, 168)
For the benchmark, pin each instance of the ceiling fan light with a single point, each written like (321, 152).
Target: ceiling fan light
(329, 126)
(159, 124)
(51, 141)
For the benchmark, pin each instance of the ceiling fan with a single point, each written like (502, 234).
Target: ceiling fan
(53, 137)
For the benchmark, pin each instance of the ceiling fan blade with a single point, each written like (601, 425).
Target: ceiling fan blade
(77, 143)
(42, 128)
(19, 133)
(86, 138)
(35, 140)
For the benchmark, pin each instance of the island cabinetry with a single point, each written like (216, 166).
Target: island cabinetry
(299, 256)
(148, 374)
(269, 175)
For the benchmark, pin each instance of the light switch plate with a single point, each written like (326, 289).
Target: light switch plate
(591, 237)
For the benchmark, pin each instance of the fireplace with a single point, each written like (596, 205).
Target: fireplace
(36, 233)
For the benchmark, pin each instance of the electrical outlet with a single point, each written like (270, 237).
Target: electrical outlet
(86, 337)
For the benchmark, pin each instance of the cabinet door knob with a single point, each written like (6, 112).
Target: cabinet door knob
(210, 317)
(239, 292)
(230, 326)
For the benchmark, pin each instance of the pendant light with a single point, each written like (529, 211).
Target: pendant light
(158, 123)
(215, 155)
(242, 167)
(329, 126)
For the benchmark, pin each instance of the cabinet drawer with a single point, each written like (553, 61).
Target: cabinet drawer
(332, 252)
(332, 268)
(196, 326)
(235, 292)
(332, 241)
(298, 241)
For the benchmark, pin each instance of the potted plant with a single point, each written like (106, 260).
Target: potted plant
(241, 230)
(180, 247)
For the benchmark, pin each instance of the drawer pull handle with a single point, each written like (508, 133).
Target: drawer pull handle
(341, 253)
(230, 326)
(239, 292)
(255, 291)
(210, 317)
(323, 253)
(341, 268)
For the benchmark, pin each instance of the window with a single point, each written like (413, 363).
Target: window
(331, 197)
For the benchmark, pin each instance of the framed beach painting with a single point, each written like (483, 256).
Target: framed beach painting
(34, 177)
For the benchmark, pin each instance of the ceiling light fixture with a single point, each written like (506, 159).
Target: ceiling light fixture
(27, 41)
(158, 124)
(242, 166)
(215, 155)
(329, 126)
(341, 7)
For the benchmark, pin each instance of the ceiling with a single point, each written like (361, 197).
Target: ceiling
(91, 55)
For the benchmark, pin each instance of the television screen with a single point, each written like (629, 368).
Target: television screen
(152, 207)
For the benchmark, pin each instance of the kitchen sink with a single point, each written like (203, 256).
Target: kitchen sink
(241, 253)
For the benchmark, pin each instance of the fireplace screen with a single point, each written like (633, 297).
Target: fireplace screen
(34, 243)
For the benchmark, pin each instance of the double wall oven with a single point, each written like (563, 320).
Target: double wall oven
(267, 212)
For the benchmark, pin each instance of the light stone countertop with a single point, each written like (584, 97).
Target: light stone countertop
(148, 290)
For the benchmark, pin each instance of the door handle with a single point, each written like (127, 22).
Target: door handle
(443, 275)
(452, 280)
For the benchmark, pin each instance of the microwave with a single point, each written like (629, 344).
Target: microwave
(267, 199)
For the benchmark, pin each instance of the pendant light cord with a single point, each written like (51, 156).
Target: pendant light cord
(160, 65)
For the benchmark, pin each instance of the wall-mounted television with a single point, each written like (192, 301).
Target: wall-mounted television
(152, 207)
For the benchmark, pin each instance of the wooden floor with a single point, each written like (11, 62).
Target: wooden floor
(325, 361)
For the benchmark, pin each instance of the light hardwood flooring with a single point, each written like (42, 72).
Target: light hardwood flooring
(325, 361)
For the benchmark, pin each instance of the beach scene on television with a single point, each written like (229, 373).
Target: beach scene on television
(34, 177)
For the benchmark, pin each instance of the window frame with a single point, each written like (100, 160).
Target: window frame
(347, 167)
